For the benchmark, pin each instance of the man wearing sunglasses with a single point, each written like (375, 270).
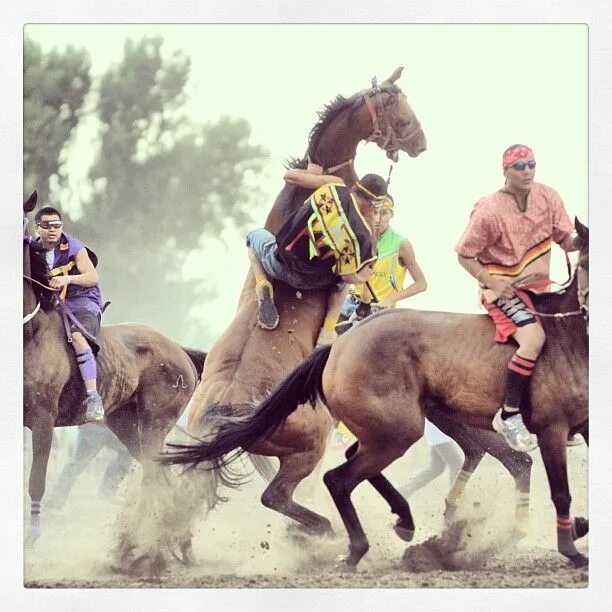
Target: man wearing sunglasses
(326, 243)
(507, 245)
(74, 276)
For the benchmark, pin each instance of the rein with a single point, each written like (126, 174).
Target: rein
(66, 314)
(27, 318)
(582, 293)
(30, 316)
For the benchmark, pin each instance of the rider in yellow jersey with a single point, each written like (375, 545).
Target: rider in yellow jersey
(395, 258)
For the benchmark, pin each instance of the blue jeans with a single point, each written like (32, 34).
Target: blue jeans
(349, 306)
(263, 244)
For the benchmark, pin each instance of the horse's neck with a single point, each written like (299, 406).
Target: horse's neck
(570, 331)
(338, 144)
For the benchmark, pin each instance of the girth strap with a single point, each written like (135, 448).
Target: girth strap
(67, 314)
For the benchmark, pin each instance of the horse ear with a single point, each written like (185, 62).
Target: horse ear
(397, 73)
(30, 203)
(582, 231)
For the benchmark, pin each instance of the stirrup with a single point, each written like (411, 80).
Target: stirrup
(267, 315)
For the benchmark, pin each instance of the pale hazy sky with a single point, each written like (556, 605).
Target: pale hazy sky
(540, 100)
(476, 89)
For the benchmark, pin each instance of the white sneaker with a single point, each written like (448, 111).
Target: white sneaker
(515, 433)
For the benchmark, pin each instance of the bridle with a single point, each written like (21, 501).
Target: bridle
(27, 318)
(582, 295)
(383, 133)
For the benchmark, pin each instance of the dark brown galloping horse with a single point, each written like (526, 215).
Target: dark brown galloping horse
(145, 381)
(247, 362)
(381, 378)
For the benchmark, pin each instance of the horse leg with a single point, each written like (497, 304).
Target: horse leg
(89, 442)
(279, 493)
(519, 465)
(584, 432)
(553, 441)
(42, 436)
(404, 526)
(473, 454)
(364, 463)
(264, 466)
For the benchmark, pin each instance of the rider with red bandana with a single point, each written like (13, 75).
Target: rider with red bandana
(507, 245)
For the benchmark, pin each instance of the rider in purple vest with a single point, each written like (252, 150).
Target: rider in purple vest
(73, 275)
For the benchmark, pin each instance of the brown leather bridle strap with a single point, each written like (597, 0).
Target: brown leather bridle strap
(372, 102)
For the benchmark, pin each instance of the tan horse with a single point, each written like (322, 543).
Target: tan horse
(382, 377)
(145, 381)
(247, 362)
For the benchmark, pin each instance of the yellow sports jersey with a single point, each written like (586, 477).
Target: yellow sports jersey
(389, 274)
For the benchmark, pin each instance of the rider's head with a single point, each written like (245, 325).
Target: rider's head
(382, 220)
(519, 164)
(49, 226)
(370, 192)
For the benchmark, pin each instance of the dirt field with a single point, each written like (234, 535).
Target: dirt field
(242, 544)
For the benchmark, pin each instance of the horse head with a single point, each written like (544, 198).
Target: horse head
(582, 271)
(380, 114)
(35, 268)
(30, 203)
(404, 129)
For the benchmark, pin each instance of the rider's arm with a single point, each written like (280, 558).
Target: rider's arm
(88, 276)
(408, 261)
(502, 287)
(359, 277)
(308, 180)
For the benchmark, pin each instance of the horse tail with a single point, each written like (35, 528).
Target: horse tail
(235, 433)
(197, 358)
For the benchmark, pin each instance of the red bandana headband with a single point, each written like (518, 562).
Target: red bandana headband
(515, 153)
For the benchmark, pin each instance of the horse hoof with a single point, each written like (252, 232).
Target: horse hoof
(404, 533)
(344, 563)
(579, 561)
(580, 527)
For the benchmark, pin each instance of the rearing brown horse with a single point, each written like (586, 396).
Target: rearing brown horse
(247, 362)
(381, 378)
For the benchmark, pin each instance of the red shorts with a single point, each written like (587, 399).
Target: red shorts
(509, 315)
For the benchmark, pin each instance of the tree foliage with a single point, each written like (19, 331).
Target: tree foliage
(161, 183)
(55, 85)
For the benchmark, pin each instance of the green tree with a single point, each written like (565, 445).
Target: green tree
(161, 183)
(54, 87)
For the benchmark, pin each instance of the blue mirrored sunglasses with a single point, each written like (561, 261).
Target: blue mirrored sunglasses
(520, 165)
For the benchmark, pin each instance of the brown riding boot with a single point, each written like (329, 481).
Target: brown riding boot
(267, 315)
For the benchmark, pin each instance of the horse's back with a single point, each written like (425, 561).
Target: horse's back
(136, 358)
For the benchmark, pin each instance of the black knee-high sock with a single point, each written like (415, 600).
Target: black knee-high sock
(520, 370)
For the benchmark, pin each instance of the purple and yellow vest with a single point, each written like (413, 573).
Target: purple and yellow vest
(75, 296)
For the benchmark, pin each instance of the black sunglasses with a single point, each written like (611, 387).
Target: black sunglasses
(520, 166)
(49, 224)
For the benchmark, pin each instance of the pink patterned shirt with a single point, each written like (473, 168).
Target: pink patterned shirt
(514, 244)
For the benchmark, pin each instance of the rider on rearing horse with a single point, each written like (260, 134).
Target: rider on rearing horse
(73, 274)
(326, 243)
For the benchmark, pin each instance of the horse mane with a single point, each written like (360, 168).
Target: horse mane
(39, 271)
(334, 108)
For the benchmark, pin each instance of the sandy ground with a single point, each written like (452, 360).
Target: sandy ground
(243, 544)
